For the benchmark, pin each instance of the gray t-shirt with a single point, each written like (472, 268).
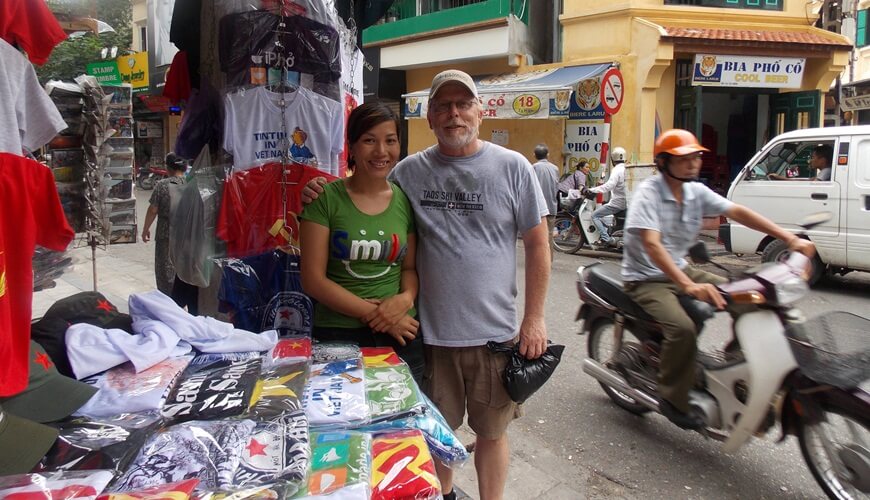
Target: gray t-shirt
(548, 177)
(653, 206)
(468, 212)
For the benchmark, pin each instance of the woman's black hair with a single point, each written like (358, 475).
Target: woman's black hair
(364, 118)
(175, 162)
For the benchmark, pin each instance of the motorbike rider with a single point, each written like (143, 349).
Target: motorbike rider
(615, 184)
(664, 220)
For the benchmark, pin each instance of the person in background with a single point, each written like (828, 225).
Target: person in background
(162, 203)
(359, 242)
(547, 175)
(616, 184)
(821, 159)
(576, 180)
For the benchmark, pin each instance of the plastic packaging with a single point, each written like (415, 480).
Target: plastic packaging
(442, 441)
(391, 392)
(288, 351)
(522, 377)
(277, 450)
(340, 463)
(326, 352)
(122, 390)
(336, 395)
(279, 390)
(180, 490)
(192, 232)
(209, 450)
(90, 445)
(55, 485)
(402, 467)
(219, 390)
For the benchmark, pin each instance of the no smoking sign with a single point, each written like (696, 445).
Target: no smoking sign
(612, 91)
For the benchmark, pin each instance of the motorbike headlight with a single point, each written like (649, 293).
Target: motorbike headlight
(790, 290)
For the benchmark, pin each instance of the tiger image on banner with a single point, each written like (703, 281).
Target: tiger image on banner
(708, 65)
(587, 94)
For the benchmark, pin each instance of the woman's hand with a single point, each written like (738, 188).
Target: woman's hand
(388, 313)
(404, 331)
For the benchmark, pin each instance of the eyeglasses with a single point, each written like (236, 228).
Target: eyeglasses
(441, 107)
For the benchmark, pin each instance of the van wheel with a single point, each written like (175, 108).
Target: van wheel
(777, 251)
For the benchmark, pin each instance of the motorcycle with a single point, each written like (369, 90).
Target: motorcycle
(574, 229)
(147, 178)
(779, 368)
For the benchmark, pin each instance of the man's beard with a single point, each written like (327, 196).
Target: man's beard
(457, 141)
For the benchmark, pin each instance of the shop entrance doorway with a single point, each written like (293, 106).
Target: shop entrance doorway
(734, 123)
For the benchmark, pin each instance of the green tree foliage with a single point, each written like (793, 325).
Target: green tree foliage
(70, 58)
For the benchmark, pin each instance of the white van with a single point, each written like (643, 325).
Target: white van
(795, 190)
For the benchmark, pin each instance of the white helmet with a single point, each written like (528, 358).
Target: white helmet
(617, 155)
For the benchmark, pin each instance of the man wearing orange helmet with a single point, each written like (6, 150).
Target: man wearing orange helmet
(663, 221)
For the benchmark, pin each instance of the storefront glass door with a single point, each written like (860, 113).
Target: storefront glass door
(793, 111)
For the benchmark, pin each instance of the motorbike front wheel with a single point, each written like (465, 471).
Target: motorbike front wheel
(602, 348)
(146, 182)
(836, 449)
(568, 237)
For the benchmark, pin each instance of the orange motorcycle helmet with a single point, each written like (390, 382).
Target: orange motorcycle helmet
(677, 142)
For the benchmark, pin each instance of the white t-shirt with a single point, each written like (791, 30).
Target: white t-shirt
(254, 136)
(28, 118)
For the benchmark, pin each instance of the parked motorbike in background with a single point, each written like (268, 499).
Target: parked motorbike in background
(148, 177)
(779, 368)
(574, 229)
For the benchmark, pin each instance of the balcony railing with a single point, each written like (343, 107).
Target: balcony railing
(410, 17)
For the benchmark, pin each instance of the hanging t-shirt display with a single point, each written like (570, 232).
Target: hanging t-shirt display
(248, 52)
(122, 390)
(279, 391)
(28, 118)
(221, 390)
(209, 451)
(29, 24)
(336, 396)
(30, 215)
(277, 449)
(252, 220)
(254, 135)
(264, 292)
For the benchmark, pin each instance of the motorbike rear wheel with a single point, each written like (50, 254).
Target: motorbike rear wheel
(569, 236)
(146, 182)
(846, 436)
(601, 347)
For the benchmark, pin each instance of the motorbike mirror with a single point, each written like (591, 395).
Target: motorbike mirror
(699, 253)
(813, 220)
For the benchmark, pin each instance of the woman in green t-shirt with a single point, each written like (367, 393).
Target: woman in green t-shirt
(359, 243)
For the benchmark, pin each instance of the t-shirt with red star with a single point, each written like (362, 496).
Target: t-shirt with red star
(251, 218)
(30, 215)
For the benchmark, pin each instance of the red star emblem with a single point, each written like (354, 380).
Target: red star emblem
(285, 314)
(104, 305)
(43, 359)
(255, 448)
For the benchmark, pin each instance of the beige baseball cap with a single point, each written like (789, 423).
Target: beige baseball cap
(452, 76)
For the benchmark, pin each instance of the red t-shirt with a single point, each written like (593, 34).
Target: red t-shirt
(30, 215)
(177, 86)
(30, 25)
(250, 218)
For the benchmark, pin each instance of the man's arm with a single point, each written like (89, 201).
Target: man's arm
(652, 243)
(758, 222)
(611, 181)
(533, 330)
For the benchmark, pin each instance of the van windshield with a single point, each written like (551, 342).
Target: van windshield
(790, 160)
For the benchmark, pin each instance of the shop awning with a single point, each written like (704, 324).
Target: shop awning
(536, 94)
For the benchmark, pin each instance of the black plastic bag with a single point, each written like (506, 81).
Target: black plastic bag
(523, 377)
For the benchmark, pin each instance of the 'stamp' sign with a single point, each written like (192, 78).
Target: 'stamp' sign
(612, 91)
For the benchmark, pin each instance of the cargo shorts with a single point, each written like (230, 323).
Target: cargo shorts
(460, 379)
